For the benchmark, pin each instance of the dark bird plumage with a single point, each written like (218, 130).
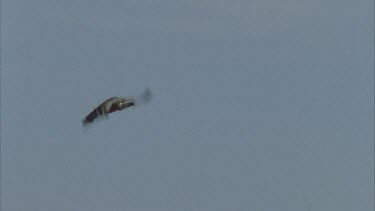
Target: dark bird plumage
(111, 105)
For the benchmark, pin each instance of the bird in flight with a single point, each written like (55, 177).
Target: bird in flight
(114, 104)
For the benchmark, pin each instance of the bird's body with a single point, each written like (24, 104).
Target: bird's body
(110, 105)
(116, 104)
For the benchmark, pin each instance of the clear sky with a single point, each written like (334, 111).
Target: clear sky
(258, 105)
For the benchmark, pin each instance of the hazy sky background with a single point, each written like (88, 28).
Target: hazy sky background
(258, 105)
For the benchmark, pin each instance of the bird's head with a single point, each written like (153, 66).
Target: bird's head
(126, 103)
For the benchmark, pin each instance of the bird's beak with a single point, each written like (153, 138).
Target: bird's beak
(127, 104)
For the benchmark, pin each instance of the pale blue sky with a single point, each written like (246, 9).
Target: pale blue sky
(258, 105)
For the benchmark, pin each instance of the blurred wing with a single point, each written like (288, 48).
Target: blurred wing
(145, 97)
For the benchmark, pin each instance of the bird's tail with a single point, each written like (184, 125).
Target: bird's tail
(98, 111)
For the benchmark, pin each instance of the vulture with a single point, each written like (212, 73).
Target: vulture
(114, 104)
